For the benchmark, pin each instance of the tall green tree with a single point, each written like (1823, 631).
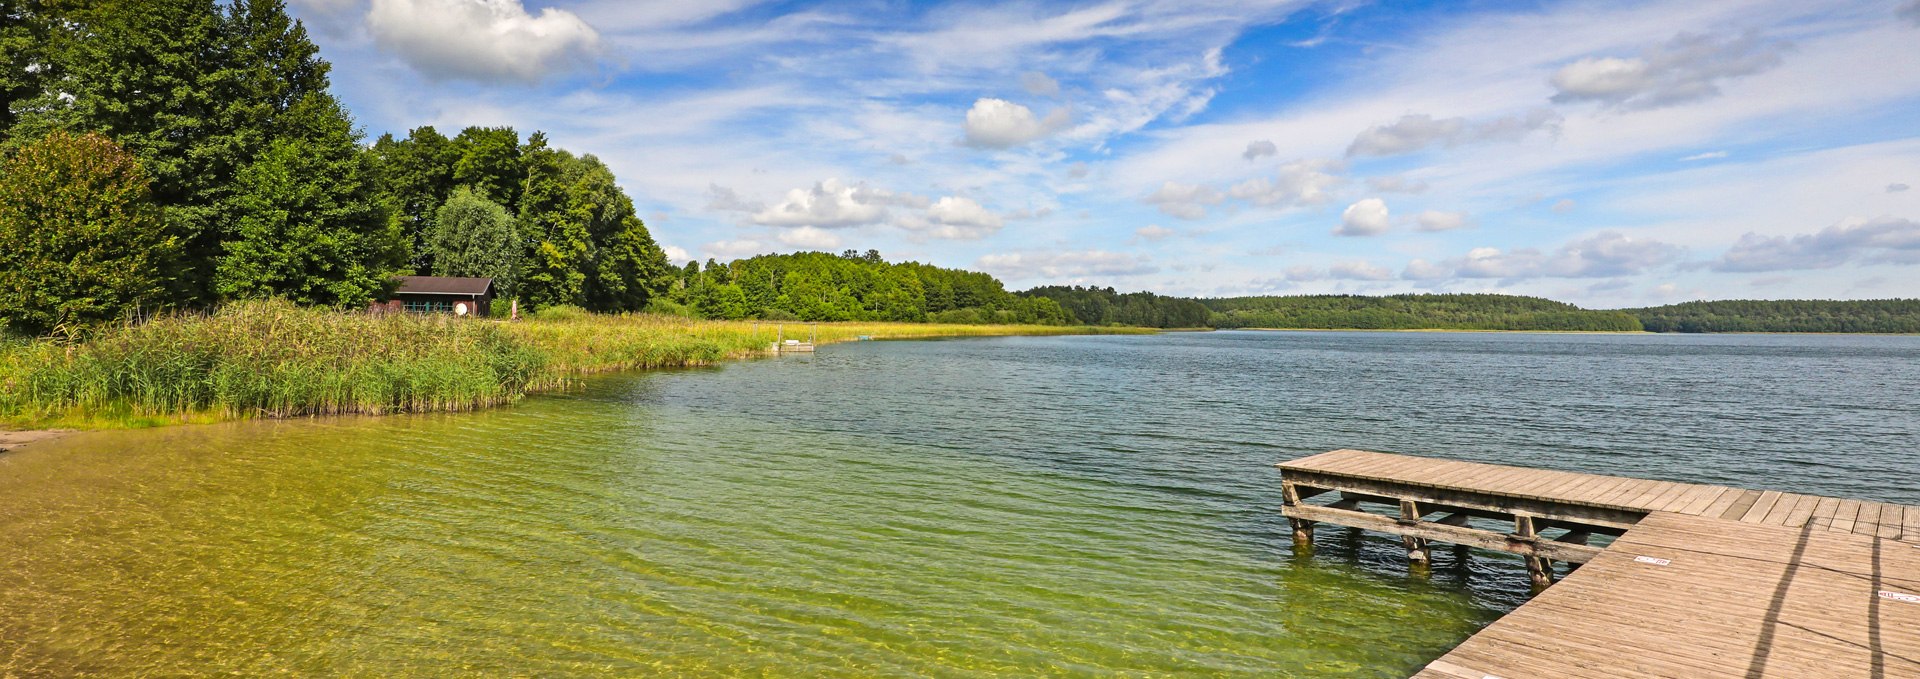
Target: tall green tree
(473, 236)
(193, 88)
(84, 241)
(416, 178)
(555, 227)
(491, 162)
(311, 228)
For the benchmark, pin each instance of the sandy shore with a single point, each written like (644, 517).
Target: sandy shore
(10, 440)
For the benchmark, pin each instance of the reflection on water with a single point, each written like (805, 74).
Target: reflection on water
(958, 508)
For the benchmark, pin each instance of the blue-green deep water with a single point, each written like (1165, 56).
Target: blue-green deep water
(1068, 506)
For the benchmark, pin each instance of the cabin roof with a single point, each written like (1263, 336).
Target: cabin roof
(443, 285)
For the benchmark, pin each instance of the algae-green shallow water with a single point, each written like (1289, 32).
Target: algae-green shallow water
(1083, 506)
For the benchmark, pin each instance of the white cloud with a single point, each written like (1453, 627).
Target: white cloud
(1367, 217)
(1186, 201)
(957, 218)
(1687, 68)
(1710, 155)
(724, 199)
(1436, 220)
(1304, 274)
(1040, 84)
(1153, 232)
(1897, 187)
(1301, 182)
(676, 254)
(1359, 271)
(1607, 254)
(484, 40)
(1260, 149)
(1562, 206)
(1882, 240)
(829, 204)
(728, 250)
(998, 124)
(1417, 132)
(1074, 265)
(810, 238)
(1910, 11)
(1396, 184)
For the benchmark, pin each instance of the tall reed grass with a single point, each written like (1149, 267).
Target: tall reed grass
(275, 359)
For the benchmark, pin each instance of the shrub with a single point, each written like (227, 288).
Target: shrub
(84, 242)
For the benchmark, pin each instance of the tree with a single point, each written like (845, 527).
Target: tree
(310, 228)
(193, 88)
(491, 161)
(632, 269)
(416, 178)
(555, 228)
(84, 241)
(473, 236)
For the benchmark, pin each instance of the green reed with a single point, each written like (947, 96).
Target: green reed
(275, 359)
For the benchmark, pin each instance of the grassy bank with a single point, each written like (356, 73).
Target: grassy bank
(269, 359)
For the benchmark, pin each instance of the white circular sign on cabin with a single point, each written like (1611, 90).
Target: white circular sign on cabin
(460, 308)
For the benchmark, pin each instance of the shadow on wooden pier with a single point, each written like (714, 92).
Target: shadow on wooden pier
(1669, 579)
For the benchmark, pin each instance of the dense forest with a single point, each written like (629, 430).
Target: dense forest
(182, 154)
(1876, 315)
(1103, 306)
(1412, 312)
(852, 286)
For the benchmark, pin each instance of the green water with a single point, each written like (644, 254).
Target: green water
(1015, 507)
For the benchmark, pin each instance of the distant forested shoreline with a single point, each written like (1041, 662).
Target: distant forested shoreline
(1104, 306)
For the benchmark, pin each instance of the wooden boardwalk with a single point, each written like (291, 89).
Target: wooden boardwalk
(1702, 581)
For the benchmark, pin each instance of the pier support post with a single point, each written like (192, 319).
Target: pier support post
(1539, 569)
(1419, 558)
(1302, 528)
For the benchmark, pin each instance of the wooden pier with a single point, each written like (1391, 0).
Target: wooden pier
(1698, 580)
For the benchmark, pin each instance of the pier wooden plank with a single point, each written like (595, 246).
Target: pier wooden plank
(1735, 583)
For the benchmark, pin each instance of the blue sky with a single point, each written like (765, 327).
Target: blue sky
(1605, 153)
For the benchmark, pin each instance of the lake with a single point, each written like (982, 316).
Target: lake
(1078, 506)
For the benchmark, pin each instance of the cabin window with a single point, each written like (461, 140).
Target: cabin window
(428, 307)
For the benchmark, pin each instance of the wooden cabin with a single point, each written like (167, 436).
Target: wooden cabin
(440, 295)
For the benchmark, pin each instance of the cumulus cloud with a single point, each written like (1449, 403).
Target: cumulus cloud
(1186, 201)
(1260, 149)
(1039, 84)
(999, 124)
(1418, 132)
(810, 238)
(1365, 218)
(723, 199)
(1065, 265)
(1303, 274)
(1153, 232)
(1436, 220)
(1423, 270)
(1882, 240)
(1607, 254)
(1358, 271)
(1690, 67)
(1396, 184)
(482, 40)
(1301, 182)
(676, 254)
(832, 204)
(956, 218)
(1910, 10)
(724, 250)
(1078, 171)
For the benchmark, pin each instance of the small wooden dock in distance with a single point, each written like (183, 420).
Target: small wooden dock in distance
(1699, 581)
